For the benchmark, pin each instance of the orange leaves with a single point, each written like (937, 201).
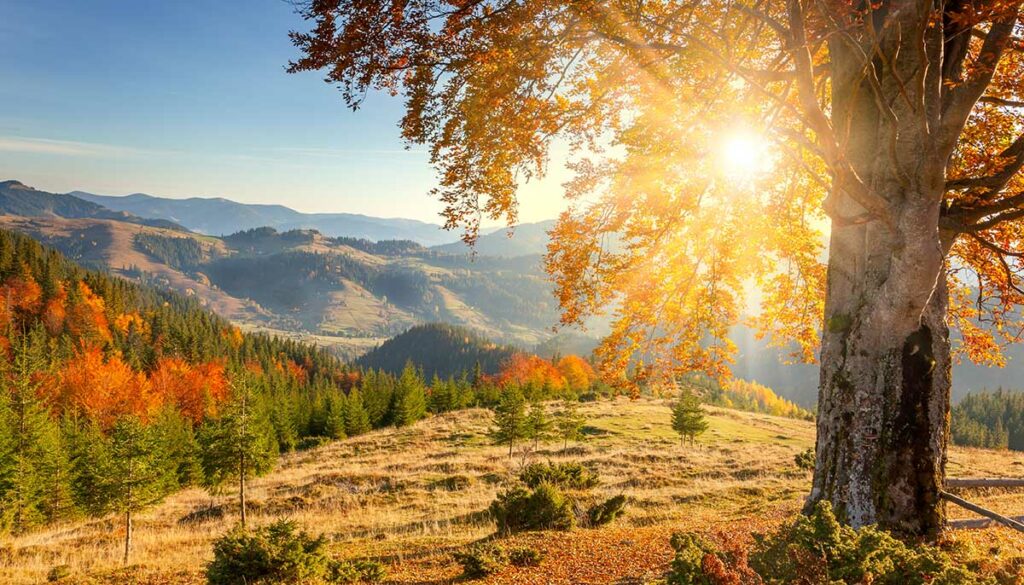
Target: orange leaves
(87, 318)
(20, 295)
(104, 389)
(131, 323)
(55, 311)
(530, 370)
(194, 390)
(234, 337)
(578, 374)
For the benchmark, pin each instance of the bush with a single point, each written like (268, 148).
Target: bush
(278, 553)
(58, 572)
(805, 459)
(571, 475)
(543, 508)
(361, 571)
(606, 511)
(525, 556)
(481, 560)
(818, 549)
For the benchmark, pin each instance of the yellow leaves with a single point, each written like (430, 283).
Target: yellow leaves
(131, 323)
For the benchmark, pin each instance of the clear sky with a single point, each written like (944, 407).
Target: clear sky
(189, 98)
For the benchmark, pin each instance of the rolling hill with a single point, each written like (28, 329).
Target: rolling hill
(439, 349)
(218, 216)
(16, 198)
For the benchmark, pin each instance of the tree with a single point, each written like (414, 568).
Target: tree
(357, 420)
(410, 399)
(31, 456)
(741, 130)
(510, 418)
(688, 417)
(240, 444)
(128, 472)
(538, 425)
(569, 423)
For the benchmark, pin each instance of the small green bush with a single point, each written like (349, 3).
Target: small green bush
(543, 508)
(805, 459)
(570, 475)
(481, 560)
(279, 553)
(606, 511)
(361, 571)
(818, 549)
(525, 556)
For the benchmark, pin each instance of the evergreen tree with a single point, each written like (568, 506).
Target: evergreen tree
(357, 420)
(569, 423)
(336, 409)
(410, 401)
(510, 418)
(180, 447)
(688, 417)
(129, 472)
(377, 389)
(239, 445)
(30, 450)
(538, 425)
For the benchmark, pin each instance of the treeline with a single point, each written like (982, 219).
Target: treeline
(989, 419)
(182, 253)
(440, 349)
(746, 395)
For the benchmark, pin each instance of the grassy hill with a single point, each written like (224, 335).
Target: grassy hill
(410, 497)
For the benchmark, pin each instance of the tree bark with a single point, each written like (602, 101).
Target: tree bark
(127, 535)
(241, 487)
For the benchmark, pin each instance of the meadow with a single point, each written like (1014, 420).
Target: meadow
(413, 496)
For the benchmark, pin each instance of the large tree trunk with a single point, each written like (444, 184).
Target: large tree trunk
(885, 359)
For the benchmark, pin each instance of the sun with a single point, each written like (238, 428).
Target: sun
(743, 156)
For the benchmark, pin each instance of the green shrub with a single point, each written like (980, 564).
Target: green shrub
(481, 560)
(278, 553)
(543, 508)
(570, 475)
(818, 549)
(361, 571)
(525, 556)
(273, 554)
(805, 459)
(606, 511)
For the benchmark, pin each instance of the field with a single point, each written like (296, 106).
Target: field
(410, 497)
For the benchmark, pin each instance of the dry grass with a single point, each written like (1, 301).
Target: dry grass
(410, 497)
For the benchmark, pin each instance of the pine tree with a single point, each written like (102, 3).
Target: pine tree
(336, 407)
(30, 451)
(510, 418)
(180, 447)
(240, 444)
(569, 423)
(377, 390)
(410, 401)
(538, 425)
(357, 420)
(129, 472)
(688, 417)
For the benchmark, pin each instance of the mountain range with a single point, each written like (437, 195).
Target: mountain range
(350, 291)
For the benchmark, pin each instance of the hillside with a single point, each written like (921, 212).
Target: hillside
(218, 216)
(348, 292)
(522, 240)
(19, 199)
(439, 349)
(411, 497)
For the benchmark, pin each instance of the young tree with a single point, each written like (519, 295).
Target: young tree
(128, 472)
(538, 425)
(510, 418)
(905, 114)
(688, 417)
(357, 420)
(240, 444)
(31, 454)
(569, 423)
(410, 400)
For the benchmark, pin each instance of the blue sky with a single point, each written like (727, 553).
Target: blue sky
(190, 98)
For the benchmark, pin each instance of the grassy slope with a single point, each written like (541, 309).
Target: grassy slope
(389, 495)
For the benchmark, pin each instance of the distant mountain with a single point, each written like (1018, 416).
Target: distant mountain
(217, 217)
(522, 240)
(444, 350)
(16, 198)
